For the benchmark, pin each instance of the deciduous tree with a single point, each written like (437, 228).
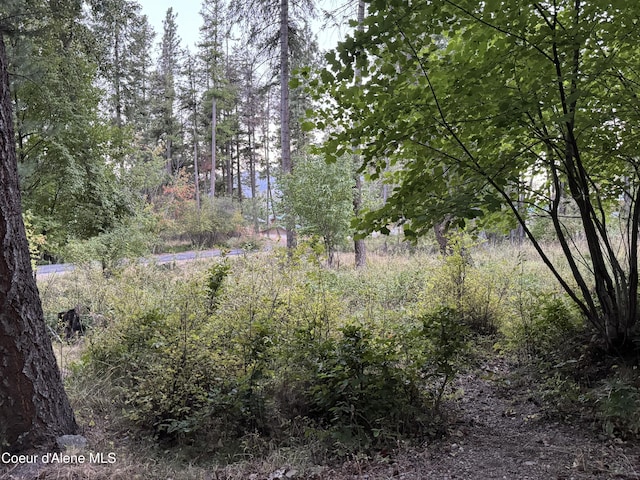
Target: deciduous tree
(320, 197)
(470, 97)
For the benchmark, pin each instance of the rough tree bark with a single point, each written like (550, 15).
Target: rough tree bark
(34, 408)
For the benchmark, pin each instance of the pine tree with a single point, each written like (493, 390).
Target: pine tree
(167, 127)
(138, 64)
(112, 24)
(34, 409)
(212, 55)
(284, 13)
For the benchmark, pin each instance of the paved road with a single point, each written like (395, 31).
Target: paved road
(158, 259)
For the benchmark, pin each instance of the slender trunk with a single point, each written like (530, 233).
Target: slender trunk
(214, 114)
(285, 133)
(34, 408)
(229, 165)
(117, 76)
(252, 173)
(168, 157)
(238, 171)
(265, 130)
(516, 235)
(196, 172)
(359, 246)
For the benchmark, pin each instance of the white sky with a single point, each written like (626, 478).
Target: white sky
(189, 21)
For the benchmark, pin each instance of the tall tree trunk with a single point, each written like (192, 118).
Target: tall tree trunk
(265, 133)
(194, 100)
(252, 172)
(168, 158)
(196, 172)
(238, 172)
(214, 115)
(285, 131)
(229, 165)
(117, 79)
(359, 246)
(34, 408)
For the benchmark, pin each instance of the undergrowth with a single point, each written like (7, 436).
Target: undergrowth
(263, 352)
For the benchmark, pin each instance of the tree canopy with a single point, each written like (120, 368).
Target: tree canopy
(478, 107)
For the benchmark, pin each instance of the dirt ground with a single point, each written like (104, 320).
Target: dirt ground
(503, 433)
(498, 431)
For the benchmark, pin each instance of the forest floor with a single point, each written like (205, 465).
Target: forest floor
(498, 430)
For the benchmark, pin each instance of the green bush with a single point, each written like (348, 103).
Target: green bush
(128, 240)
(356, 386)
(544, 329)
(617, 403)
(477, 292)
(371, 388)
(170, 370)
(216, 221)
(251, 347)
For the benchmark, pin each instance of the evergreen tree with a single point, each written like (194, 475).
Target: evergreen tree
(34, 409)
(287, 15)
(212, 55)
(138, 65)
(112, 25)
(167, 128)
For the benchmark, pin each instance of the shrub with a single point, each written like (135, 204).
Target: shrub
(543, 328)
(370, 388)
(248, 347)
(617, 403)
(172, 375)
(356, 386)
(216, 221)
(131, 239)
(476, 292)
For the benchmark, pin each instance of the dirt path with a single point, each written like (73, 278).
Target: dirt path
(501, 432)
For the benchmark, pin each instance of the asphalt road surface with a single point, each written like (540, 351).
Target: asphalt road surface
(158, 259)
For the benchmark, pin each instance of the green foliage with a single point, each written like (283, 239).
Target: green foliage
(548, 322)
(164, 367)
(246, 347)
(36, 240)
(618, 404)
(129, 240)
(476, 292)
(215, 276)
(216, 221)
(358, 387)
(320, 196)
(64, 148)
(470, 109)
(445, 336)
